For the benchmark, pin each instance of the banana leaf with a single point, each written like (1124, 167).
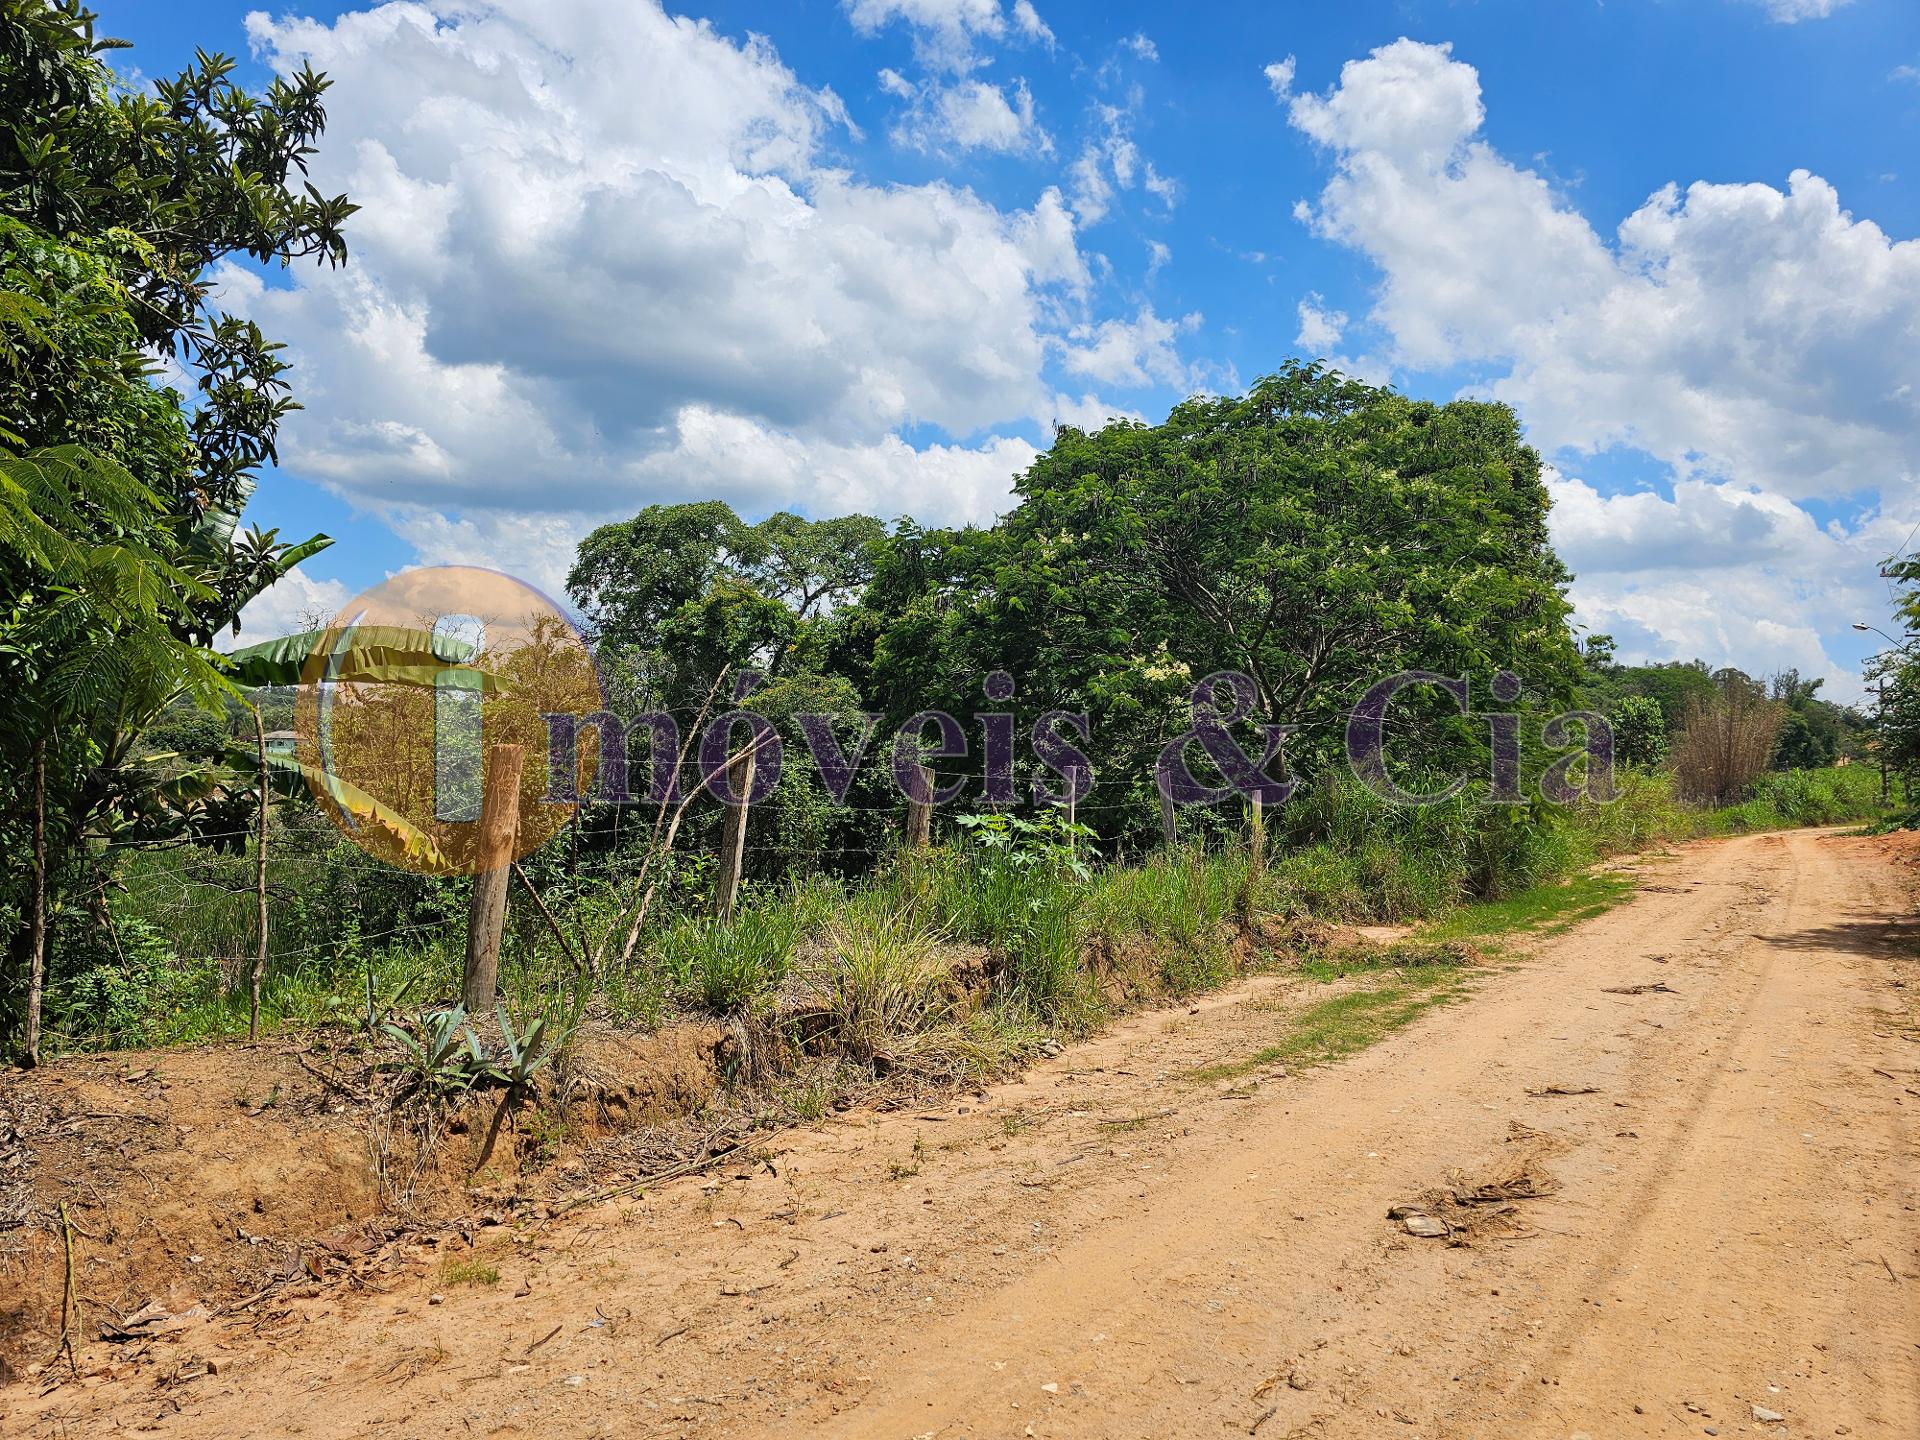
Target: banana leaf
(370, 654)
(362, 809)
(212, 533)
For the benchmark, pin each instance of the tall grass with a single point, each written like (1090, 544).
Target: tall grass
(881, 975)
(726, 965)
(1179, 903)
(1019, 906)
(1067, 936)
(1787, 799)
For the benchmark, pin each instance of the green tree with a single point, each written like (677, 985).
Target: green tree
(1639, 731)
(115, 204)
(1673, 685)
(1814, 732)
(1316, 534)
(681, 591)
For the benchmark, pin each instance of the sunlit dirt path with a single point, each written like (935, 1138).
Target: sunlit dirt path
(1716, 1225)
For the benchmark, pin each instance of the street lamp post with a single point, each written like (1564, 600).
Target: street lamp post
(1880, 703)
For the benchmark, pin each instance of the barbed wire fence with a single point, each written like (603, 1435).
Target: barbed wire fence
(330, 901)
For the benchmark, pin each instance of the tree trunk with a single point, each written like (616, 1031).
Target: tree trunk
(259, 881)
(733, 836)
(487, 917)
(37, 909)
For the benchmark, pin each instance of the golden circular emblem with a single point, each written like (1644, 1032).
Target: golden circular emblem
(422, 719)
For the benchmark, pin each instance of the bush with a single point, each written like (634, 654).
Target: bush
(882, 979)
(1015, 887)
(1639, 732)
(1030, 891)
(1785, 799)
(1645, 811)
(727, 965)
(130, 989)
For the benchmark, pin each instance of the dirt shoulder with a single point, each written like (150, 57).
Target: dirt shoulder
(1670, 1155)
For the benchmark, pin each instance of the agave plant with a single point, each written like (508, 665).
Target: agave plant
(523, 1056)
(445, 1058)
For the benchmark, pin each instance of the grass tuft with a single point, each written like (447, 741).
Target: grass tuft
(469, 1272)
(1344, 1024)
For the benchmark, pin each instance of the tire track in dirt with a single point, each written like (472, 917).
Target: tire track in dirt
(1731, 1290)
(1680, 1118)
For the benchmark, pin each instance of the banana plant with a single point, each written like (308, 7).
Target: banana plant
(415, 844)
(367, 654)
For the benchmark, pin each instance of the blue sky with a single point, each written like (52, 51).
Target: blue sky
(863, 260)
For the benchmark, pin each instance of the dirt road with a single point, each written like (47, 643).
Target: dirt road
(1717, 1227)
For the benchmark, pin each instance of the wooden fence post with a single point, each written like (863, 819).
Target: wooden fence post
(487, 917)
(920, 814)
(733, 835)
(37, 909)
(1169, 828)
(259, 880)
(1258, 837)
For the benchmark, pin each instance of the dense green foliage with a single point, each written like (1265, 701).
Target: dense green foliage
(1894, 675)
(1316, 534)
(1639, 731)
(119, 496)
(1071, 936)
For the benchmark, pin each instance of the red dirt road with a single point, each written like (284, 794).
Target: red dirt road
(1113, 1248)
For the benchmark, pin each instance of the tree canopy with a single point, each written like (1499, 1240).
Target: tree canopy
(120, 497)
(1316, 534)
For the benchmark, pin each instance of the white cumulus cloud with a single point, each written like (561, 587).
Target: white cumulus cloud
(295, 602)
(1748, 336)
(1320, 326)
(966, 115)
(1720, 572)
(1110, 162)
(1136, 352)
(947, 33)
(611, 257)
(1740, 328)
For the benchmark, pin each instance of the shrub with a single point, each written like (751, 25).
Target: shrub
(726, 965)
(1014, 886)
(1727, 741)
(131, 989)
(1639, 732)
